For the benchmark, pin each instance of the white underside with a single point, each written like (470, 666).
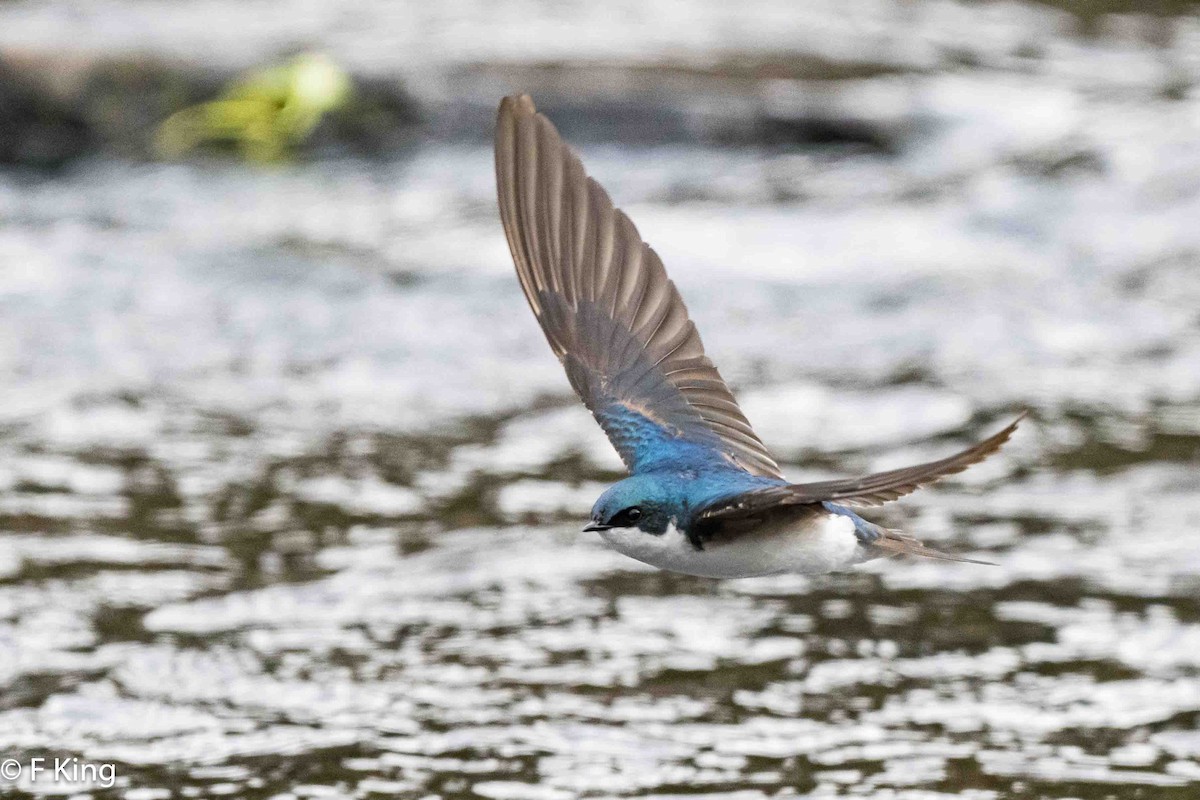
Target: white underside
(813, 546)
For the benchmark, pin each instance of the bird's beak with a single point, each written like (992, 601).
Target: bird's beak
(592, 527)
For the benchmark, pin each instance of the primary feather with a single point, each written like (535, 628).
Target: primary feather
(869, 490)
(609, 311)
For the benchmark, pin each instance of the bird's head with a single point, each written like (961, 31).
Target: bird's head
(636, 502)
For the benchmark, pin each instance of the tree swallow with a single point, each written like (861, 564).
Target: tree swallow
(704, 496)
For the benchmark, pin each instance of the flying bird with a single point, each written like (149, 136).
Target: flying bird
(704, 496)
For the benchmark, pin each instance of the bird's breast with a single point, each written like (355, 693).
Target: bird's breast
(814, 545)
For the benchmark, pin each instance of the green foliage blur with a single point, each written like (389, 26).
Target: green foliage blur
(264, 114)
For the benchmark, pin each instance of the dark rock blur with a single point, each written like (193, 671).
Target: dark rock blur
(57, 107)
(36, 129)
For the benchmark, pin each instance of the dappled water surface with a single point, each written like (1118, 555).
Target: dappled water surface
(290, 484)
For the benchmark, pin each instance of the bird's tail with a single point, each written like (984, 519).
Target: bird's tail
(877, 541)
(894, 543)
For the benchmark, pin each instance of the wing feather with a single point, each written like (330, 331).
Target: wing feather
(870, 490)
(608, 309)
(883, 487)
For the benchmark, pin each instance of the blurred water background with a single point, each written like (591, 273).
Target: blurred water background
(290, 484)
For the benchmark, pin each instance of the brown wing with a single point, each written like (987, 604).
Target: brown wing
(883, 487)
(870, 490)
(609, 311)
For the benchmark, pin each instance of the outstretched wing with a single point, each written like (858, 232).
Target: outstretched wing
(609, 311)
(870, 490)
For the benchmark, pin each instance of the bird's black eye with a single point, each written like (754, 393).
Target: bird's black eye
(626, 518)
